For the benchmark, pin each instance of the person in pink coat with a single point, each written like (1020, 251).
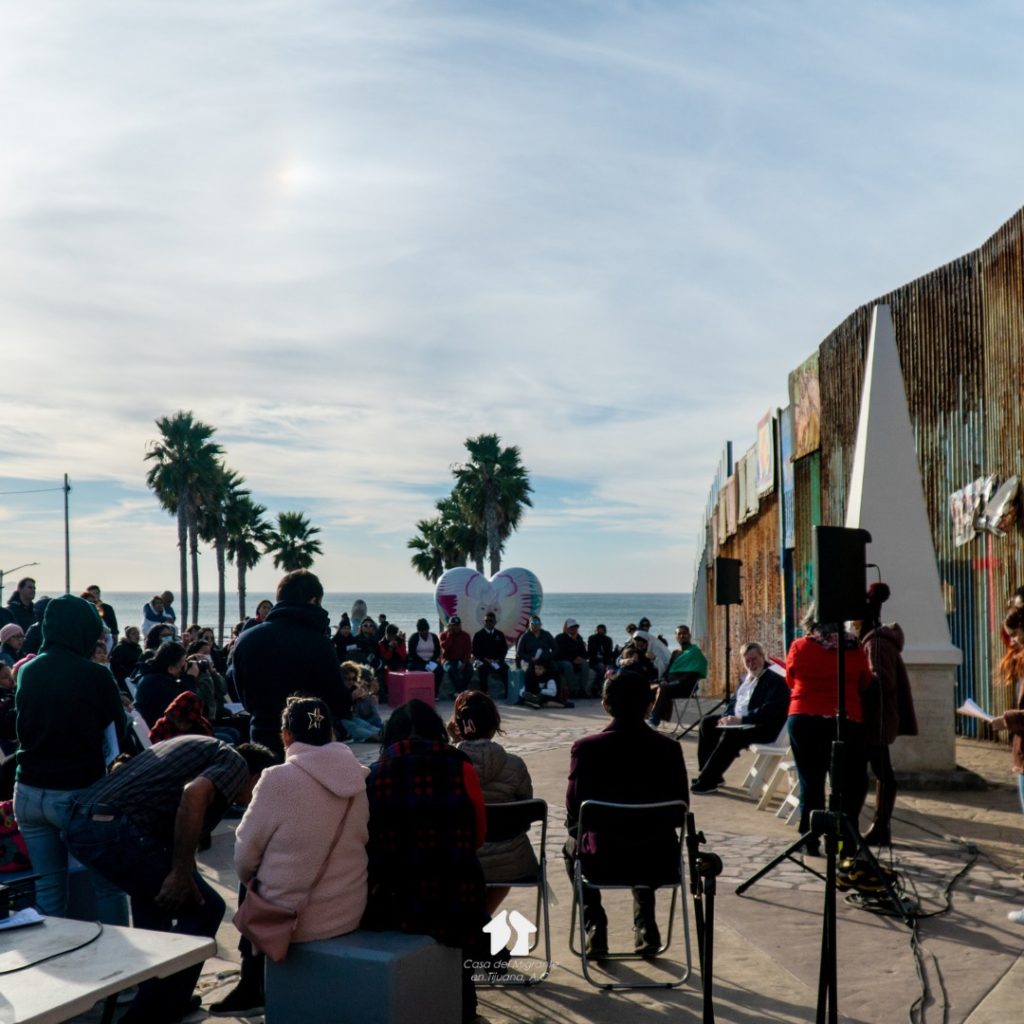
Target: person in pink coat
(287, 831)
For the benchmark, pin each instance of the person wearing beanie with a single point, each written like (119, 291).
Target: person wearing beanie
(11, 638)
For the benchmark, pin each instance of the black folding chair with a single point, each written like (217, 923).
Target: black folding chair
(507, 821)
(689, 694)
(624, 831)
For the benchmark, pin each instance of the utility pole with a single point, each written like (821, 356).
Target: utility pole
(67, 539)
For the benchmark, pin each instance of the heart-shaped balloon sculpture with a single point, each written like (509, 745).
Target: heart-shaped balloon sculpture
(513, 595)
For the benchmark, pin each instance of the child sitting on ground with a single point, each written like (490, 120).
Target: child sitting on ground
(365, 725)
(541, 687)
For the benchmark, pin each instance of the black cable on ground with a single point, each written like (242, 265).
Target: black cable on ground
(916, 1012)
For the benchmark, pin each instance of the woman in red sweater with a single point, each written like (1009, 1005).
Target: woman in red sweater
(812, 677)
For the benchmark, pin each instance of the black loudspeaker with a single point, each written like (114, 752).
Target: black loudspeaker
(727, 581)
(840, 572)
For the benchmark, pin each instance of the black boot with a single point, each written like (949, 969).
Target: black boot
(880, 832)
(247, 996)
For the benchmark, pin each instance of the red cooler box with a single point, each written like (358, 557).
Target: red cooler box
(405, 686)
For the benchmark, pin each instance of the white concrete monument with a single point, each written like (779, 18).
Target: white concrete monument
(886, 498)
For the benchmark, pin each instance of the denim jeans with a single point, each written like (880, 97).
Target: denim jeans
(139, 862)
(43, 816)
(359, 729)
(459, 672)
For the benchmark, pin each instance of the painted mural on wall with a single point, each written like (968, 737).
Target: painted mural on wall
(732, 498)
(765, 476)
(983, 506)
(747, 473)
(805, 401)
(788, 478)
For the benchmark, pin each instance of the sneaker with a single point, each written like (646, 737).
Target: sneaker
(243, 1000)
(1016, 916)
(654, 721)
(597, 941)
(646, 940)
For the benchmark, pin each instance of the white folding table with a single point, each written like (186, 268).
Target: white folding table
(54, 984)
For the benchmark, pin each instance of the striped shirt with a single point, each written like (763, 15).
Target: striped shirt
(148, 788)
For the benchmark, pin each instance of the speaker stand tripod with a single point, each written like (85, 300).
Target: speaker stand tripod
(834, 825)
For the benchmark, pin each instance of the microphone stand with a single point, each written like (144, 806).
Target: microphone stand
(836, 828)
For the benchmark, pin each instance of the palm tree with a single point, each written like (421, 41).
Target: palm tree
(293, 542)
(249, 536)
(428, 557)
(184, 458)
(222, 492)
(460, 540)
(494, 487)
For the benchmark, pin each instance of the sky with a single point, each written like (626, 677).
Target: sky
(350, 235)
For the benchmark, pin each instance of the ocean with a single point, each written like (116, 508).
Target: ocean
(616, 611)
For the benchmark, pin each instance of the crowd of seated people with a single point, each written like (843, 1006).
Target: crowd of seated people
(187, 690)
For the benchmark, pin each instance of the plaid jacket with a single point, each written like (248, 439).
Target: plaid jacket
(424, 874)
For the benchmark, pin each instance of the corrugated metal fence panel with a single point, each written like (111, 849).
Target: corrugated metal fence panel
(841, 378)
(759, 617)
(1002, 273)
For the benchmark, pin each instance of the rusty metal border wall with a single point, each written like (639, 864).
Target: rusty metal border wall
(960, 335)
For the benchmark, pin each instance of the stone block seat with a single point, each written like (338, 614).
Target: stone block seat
(367, 978)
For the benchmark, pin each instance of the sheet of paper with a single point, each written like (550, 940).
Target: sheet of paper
(141, 729)
(973, 710)
(21, 918)
(234, 707)
(111, 748)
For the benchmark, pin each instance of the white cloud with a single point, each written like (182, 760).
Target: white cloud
(350, 235)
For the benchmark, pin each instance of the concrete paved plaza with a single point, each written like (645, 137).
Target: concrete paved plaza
(767, 941)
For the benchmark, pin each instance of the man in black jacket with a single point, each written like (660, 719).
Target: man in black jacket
(761, 702)
(490, 649)
(627, 763)
(290, 652)
(21, 608)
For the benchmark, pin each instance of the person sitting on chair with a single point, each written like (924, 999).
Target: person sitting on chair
(626, 763)
(761, 701)
(687, 669)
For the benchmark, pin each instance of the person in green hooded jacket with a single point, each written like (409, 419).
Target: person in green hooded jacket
(65, 706)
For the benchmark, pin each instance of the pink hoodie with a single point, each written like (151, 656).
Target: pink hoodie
(287, 829)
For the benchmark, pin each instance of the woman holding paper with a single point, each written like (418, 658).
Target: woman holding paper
(1011, 668)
